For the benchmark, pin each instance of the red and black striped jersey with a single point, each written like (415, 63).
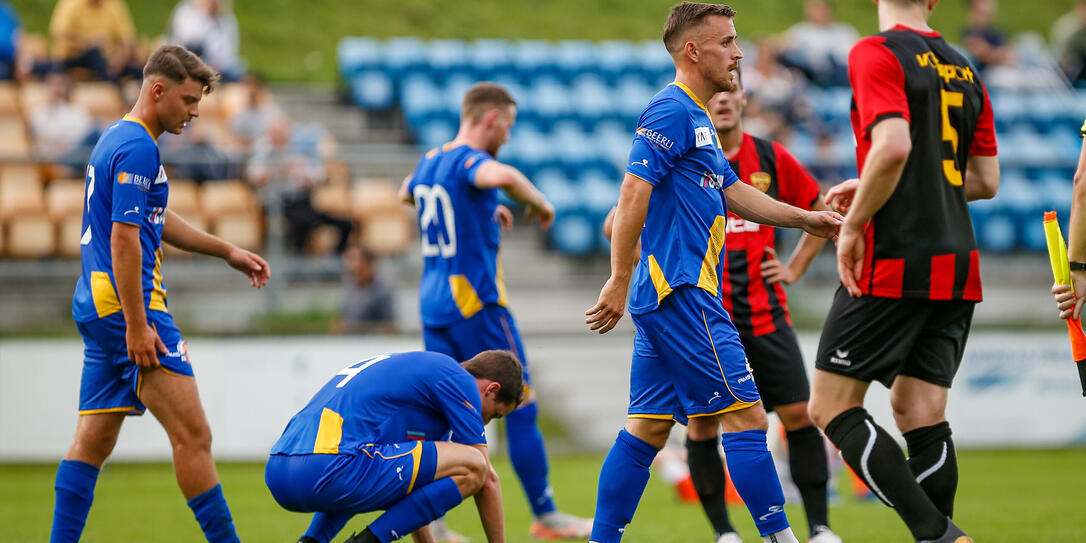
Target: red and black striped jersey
(754, 306)
(920, 244)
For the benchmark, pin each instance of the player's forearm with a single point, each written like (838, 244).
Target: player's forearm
(489, 503)
(522, 191)
(754, 205)
(1076, 244)
(633, 206)
(981, 177)
(179, 233)
(128, 272)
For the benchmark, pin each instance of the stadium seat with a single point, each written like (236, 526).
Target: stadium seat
(242, 229)
(333, 199)
(373, 89)
(402, 56)
(102, 99)
(420, 98)
(591, 99)
(184, 197)
(489, 59)
(616, 58)
(19, 194)
(574, 57)
(69, 232)
(232, 99)
(387, 231)
(9, 99)
(64, 198)
(370, 195)
(356, 54)
(33, 94)
(656, 64)
(533, 58)
(14, 140)
(30, 235)
(574, 233)
(223, 198)
(446, 57)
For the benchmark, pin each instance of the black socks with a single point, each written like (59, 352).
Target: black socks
(707, 472)
(807, 460)
(933, 462)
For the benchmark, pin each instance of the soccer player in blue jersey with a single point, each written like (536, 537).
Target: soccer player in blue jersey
(688, 360)
(402, 433)
(462, 293)
(134, 356)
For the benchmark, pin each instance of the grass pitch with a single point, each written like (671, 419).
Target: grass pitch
(1005, 496)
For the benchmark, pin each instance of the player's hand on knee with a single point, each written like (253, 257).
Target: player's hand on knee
(840, 196)
(609, 308)
(144, 345)
(251, 264)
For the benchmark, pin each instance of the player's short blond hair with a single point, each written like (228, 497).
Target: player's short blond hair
(483, 97)
(178, 64)
(686, 16)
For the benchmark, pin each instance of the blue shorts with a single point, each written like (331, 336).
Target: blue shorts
(492, 327)
(111, 382)
(372, 480)
(688, 360)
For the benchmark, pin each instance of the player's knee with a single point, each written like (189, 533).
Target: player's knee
(197, 437)
(819, 413)
(476, 471)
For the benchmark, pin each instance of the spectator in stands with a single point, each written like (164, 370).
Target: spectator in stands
(60, 127)
(10, 31)
(291, 168)
(368, 302)
(251, 123)
(819, 46)
(97, 36)
(984, 41)
(194, 155)
(209, 29)
(1070, 39)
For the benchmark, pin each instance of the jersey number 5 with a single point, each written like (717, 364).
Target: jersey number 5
(950, 134)
(436, 216)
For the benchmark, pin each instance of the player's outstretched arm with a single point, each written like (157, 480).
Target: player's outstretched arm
(981, 177)
(754, 205)
(495, 175)
(773, 270)
(629, 218)
(405, 191)
(184, 236)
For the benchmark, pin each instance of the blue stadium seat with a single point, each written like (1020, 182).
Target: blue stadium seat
(490, 59)
(573, 58)
(656, 63)
(631, 95)
(420, 98)
(554, 183)
(598, 191)
(446, 57)
(995, 227)
(617, 58)
(403, 55)
(532, 58)
(456, 86)
(356, 54)
(436, 130)
(575, 233)
(573, 146)
(591, 99)
(373, 89)
(550, 98)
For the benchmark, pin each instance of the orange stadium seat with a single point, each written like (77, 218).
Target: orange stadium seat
(184, 197)
(14, 141)
(332, 199)
(388, 231)
(19, 195)
(30, 236)
(9, 99)
(64, 198)
(102, 99)
(220, 198)
(32, 95)
(368, 195)
(69, 230)
(244, 230)
(232, 98)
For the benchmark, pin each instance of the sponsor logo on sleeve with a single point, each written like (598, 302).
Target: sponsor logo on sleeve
(656, 138)
(703, 136)
(141, 182)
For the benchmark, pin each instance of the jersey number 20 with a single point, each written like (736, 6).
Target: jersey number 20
(429, 200)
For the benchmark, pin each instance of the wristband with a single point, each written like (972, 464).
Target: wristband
(1076, 266)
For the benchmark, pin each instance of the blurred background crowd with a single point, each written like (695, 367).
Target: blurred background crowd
(280, 171)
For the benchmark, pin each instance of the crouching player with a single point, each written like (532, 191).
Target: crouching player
(371, 440)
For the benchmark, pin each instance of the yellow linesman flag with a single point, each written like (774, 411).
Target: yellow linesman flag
(1057, 256)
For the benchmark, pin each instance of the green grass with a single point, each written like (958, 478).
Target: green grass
(1005, 496)
(294, 40)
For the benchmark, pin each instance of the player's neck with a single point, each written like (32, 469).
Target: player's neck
(731, 140)
(149, 121)
(891, 15)
(471, 137)
(701, 88)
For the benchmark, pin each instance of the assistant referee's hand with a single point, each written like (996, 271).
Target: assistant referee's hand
(610, 307)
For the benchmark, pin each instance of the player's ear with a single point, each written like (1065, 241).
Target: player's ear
(491, 117)
(492, 388)
(158, 89)
(691, 51)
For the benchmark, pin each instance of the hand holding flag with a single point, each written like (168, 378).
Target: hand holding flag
(1057, 256)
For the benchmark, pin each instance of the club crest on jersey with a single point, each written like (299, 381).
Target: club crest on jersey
(655, 138)
(761, 180)
(710, 180)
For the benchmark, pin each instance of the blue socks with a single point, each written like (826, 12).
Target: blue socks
(623, 477)
(214, 516)
(74, 494)
(755, 478)
(416, 510)
(529, 457)
(325, 526)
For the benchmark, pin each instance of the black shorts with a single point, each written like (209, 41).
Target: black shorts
(877, 339)
(777, 365)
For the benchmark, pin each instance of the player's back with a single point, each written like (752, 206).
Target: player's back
(389, 398)
(125, 182)
(459, 235)
(923, 243)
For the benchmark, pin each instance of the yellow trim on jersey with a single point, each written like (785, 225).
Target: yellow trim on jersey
(708, 279)
(158, 293)
(697, 101)
(499, 280)
(467, 300)
(416, 460)
(329, 433)
(128, 117)
(718, 365)
(659, 282)
(128, 409)
(105, 298)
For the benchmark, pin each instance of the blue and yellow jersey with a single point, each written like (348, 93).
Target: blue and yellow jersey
(676, 150)
(460, 237)
(390, 398)
(125, 183)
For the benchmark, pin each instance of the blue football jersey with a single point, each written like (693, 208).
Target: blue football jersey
(460, 236)
(677, 151)
(125, 183)
(390, 398)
